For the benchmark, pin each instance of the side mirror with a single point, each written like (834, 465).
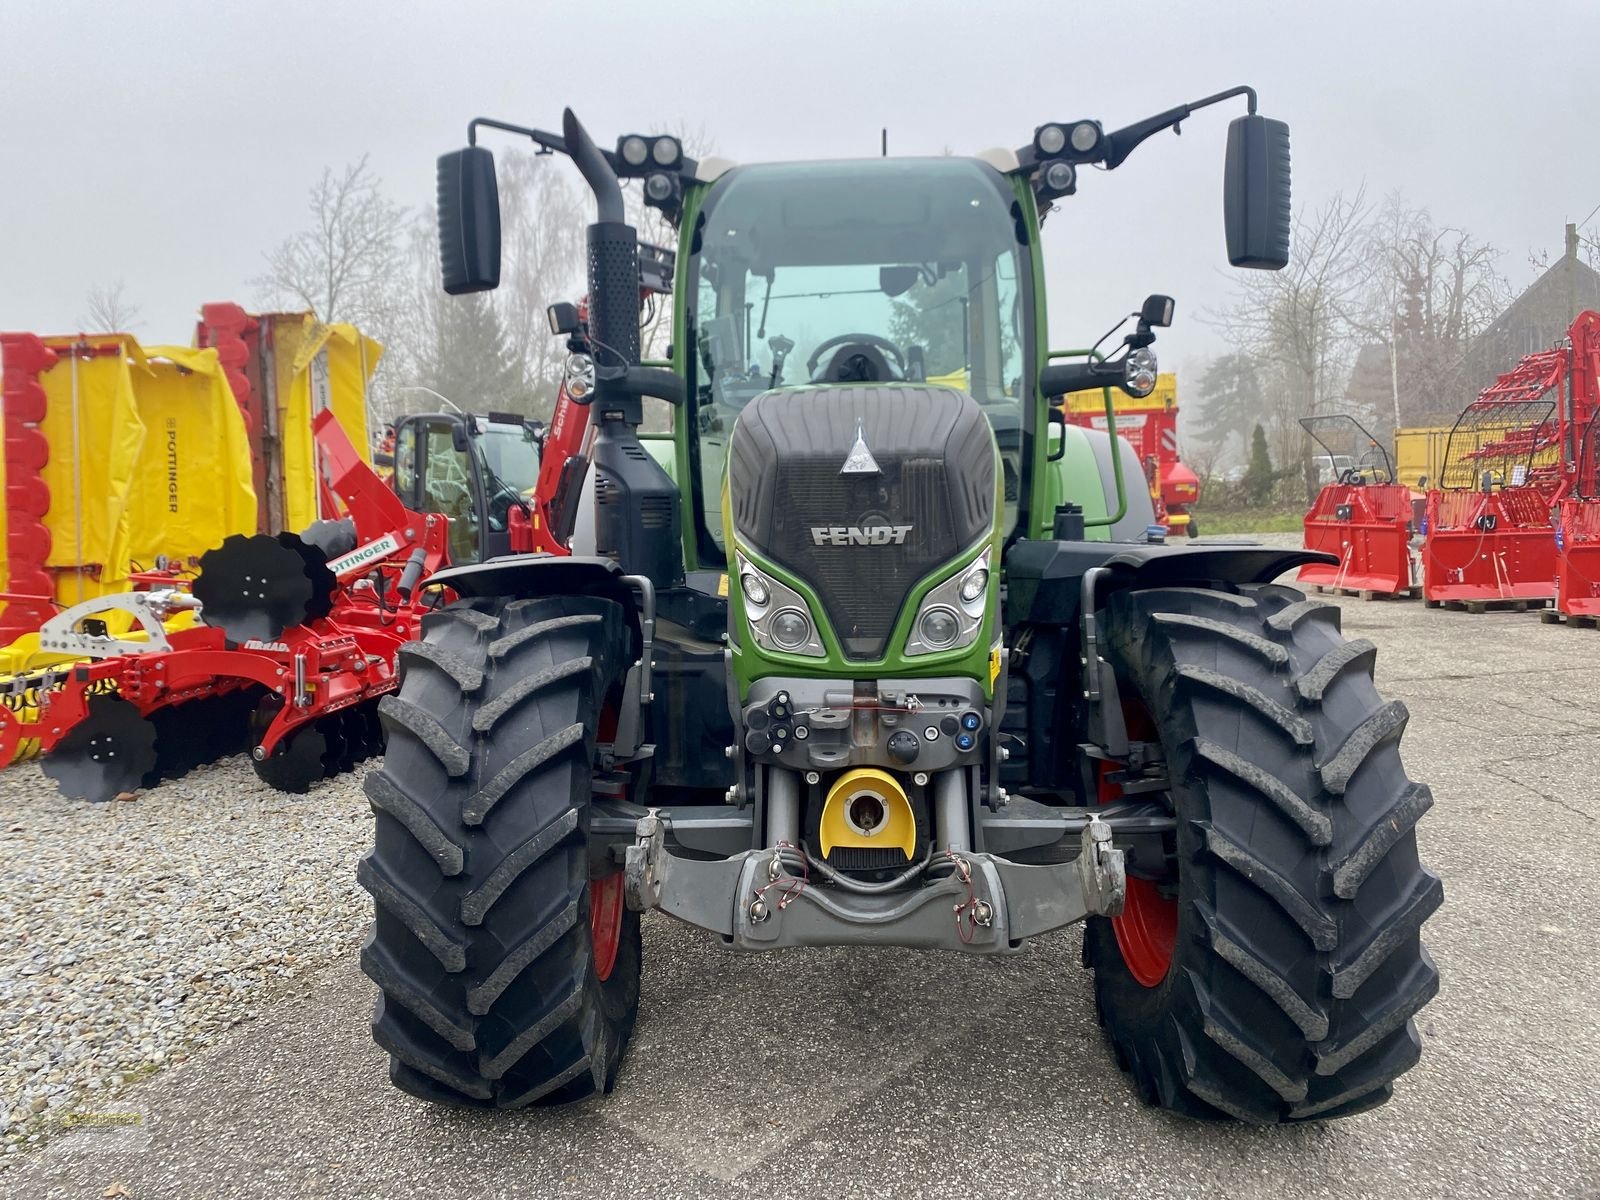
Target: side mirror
(1255, 193)
(469, 221)
(459, 440)
(1157, 312)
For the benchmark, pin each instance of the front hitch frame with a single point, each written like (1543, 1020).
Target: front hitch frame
(985, 904)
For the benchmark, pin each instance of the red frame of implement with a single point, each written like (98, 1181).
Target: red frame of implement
(1368, 527)
(345, 658)
(1502, 544)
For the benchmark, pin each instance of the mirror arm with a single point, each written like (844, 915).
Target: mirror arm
(1060, 379)
(549, 143)
(1123, 141)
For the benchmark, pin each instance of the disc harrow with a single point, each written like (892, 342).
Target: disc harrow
(297, 641)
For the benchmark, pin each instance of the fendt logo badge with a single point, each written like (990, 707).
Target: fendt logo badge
(860, 535)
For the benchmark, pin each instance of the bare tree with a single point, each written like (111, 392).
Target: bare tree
(345, 264)
(1435, 289)
(109, 310)
(542, 222)
(542, 262)
(1299, 324)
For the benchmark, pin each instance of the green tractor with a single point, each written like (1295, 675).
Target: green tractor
(853, 657)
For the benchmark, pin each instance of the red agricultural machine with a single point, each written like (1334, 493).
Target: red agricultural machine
(1361, 515)
(1577, 520)
(299, 641)
(1512, 461)
(300, 634)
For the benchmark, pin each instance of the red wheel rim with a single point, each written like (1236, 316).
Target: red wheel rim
(1147, 930)
(605, 891)
(605, 921)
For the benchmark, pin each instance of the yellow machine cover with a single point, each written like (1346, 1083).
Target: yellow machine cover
(326, 366)
(148, 456)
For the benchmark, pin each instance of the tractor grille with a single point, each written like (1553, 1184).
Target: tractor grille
(862, 540)
(867, 858)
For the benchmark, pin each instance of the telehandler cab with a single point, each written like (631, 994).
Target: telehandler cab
(851, 658)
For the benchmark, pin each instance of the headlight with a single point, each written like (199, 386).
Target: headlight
(939, 627)
(755, 589)
(1139, 372)
(1060, 176)
(776, 615)
(658, 186)
(635, 150)
(973, 584)
(791, 630)
(952, 613)
(665, 151)
(1084, 135)
(1051, 139)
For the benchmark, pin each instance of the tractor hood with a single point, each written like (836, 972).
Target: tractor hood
(860, 492)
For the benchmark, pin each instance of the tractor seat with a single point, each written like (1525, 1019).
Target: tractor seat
(856, 362)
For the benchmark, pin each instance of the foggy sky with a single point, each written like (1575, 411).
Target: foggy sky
(169, 144)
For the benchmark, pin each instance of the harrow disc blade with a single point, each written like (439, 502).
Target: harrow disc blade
(256, 587)
(108, 753)
(334, 747)
(181, 740)
(375, 739)
(197, 732)
(323, 581)
(353, 729)
(297, 762)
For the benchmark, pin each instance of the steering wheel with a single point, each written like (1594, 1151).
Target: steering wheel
(451, 496)
(865, 339)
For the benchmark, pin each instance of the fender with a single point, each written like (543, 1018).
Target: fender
(533, 575)
(1047, 583)
(1044, 580)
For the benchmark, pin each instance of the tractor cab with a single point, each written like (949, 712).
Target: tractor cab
(473, 469)
(892, 277)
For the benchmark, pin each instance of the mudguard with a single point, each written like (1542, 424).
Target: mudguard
(531, 575)
(1044, 580)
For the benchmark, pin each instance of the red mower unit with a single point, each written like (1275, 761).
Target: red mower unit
(1361, 515)
(1511, 459)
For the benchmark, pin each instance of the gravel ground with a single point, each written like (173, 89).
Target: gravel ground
(138, 931)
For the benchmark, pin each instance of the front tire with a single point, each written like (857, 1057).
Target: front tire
(1293, 897)
(508, 975)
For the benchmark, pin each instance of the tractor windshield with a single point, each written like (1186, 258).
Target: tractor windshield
(511, 455)
(872, 271)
